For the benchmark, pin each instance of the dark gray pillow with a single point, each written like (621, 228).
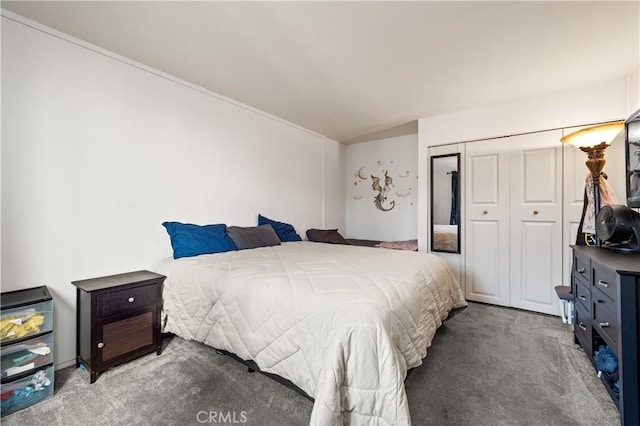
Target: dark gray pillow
(253, 236)
(331, 236)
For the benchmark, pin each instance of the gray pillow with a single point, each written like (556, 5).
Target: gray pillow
(331, 236)
(253, 236)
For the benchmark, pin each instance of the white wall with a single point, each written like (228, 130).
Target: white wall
(605, 101)
(334, 170)
(397, 156)
(98, 151)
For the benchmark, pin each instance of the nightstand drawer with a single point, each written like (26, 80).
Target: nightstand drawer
(604, 279)
(127, 299)
(605, 319)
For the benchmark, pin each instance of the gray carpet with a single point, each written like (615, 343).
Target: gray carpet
(487, 366)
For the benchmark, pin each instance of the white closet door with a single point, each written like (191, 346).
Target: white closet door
(536, 221)
(487, 221)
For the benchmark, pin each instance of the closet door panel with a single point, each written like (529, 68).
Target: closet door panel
(536, 270)
(483, 283)
(487, 221)
(536, 221)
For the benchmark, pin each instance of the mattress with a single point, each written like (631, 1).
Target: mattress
(343, 323)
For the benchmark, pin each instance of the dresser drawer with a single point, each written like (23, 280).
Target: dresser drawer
(582, 328)
(583, 295)
(582, 268)
(605, 280)
(605, 319)
(128, 299)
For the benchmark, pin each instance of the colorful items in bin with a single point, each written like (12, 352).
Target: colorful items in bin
(607, 365)
(29, 356)
(21, 324)
(24, 396)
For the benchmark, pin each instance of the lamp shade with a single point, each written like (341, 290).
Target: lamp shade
(595, 135)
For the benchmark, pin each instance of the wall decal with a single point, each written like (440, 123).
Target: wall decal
(381, 198)
(361, 173)
(382, 183)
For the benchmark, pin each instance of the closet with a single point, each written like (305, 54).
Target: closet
(513, 215)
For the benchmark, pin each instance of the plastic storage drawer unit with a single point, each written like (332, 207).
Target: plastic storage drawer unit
(26, 348)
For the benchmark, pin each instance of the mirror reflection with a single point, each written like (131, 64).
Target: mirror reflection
(445, 203)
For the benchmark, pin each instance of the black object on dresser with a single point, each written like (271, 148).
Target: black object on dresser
(117, 319)
(26, 348)
(606, 288)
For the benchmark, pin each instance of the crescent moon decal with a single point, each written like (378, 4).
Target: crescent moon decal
(361, 174)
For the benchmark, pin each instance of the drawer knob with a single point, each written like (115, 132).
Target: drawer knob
(581, 297)
(582, 326)
(535, 212)
(580, 270)
(603, 284)
(132, 299)
(100, 345)
(604, 324)
(485, 212)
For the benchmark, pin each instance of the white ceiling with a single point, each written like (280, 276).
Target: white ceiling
(348, 69)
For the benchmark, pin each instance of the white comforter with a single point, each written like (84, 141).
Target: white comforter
(343, 323)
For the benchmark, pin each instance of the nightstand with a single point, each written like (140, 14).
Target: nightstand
(117, 319)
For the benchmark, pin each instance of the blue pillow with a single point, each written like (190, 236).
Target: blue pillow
(192, 240)
(285, 231)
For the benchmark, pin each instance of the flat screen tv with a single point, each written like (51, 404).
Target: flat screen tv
(632, 151)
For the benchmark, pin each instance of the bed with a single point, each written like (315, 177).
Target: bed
(343, 323)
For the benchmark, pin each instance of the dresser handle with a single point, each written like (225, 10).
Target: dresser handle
(603, 284)
(582, 326)
(581, 297)
(580, 270)
(131, 300)
(604, 324)
(485, 212)
(535, 212)
(100, 345)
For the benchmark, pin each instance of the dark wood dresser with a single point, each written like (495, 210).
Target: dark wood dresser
(118, 319)
(606, 289)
